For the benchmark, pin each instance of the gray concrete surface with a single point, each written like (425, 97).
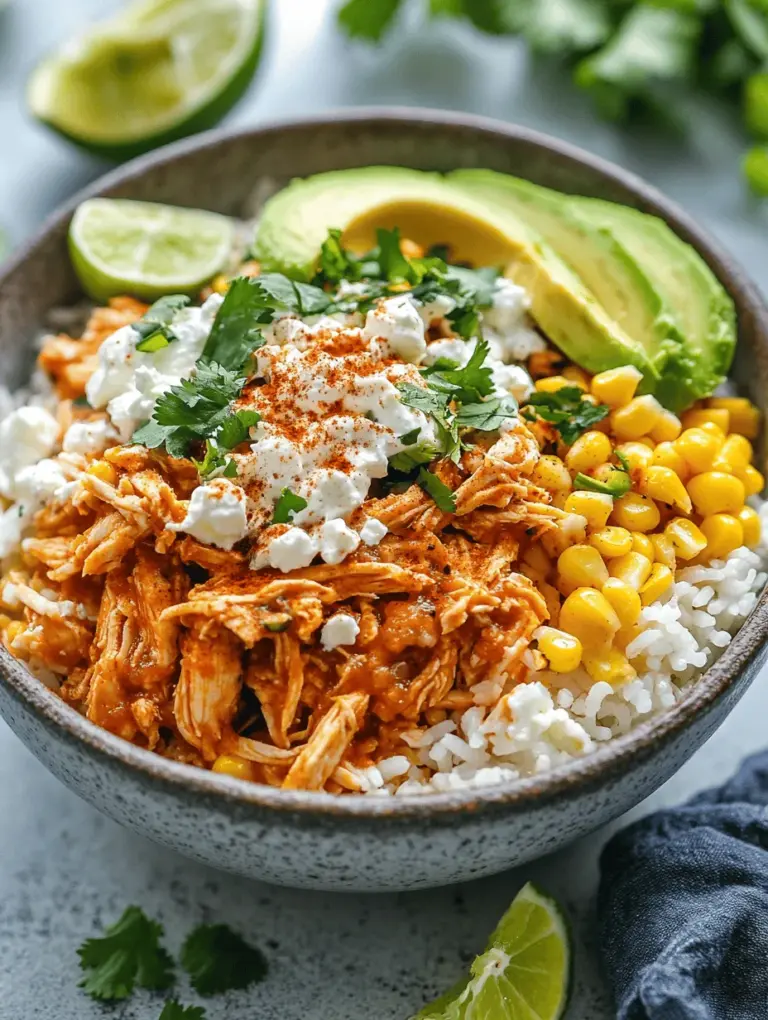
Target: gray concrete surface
(65, 870)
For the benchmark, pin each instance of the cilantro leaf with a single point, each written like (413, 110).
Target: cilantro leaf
(368, 19)
(409, 438)
(438, 490)
(474, 381)
(336, 263)
(287, 505)
(128, 954)
(234, 335)
(393, 264)
(618, 484)
(234, 429)
(567, 410)
(487, 416)
(428, 399)
(173, 1010)
(154, 327)
(415, 456)
(217, 959)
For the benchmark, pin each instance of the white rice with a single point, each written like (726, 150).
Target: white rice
(556, 717)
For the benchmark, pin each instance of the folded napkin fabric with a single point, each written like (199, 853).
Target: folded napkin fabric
(683, 906)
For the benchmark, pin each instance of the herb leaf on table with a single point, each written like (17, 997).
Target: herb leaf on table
(128, 954)
(217, 959)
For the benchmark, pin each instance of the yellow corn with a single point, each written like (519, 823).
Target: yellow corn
(638, 455)
(637, 418)
(609, 665)
(550, 473)
(744, 416)
(104, 471)
(589, 450)
(596, 507)
(687, 539)
(635, 512)
(715, 492)
(611, 541)
(411, 249)
(664, 550)
(552, 383)
(750, 522)
(232, 765)
(633, 568)
(699, 417)
(668, 428)
(580, 566)
(723, 533)
(736, 452)
(666, 455)
(641, 543)
(659, 579)
(751, 479)
(220, 284)
(698, 448)
(576, 377)
(590, 617)
(624, 599)
(663, 484)
(617, 386)
(562, 651)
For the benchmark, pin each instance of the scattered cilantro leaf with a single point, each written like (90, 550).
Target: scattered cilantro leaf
(217, 959)
(173, 1010)
(567, 410)
(438, 490)
(393, 264)
(234, 335)
(336, 263)
(368, 19)
(618, 484)
(474, 381)
(409, 438)
(154, 327)
(287, 505)
(234, 429)
(488, 415)
(407, 460)
(128, 954)
(213, 462)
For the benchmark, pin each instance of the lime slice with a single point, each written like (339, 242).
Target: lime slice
(159, 71)
(147, 250)
(524, 974)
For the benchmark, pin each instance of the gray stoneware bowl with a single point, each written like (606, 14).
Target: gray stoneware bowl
(316, 840)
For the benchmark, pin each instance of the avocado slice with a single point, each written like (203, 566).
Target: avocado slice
(430, 209)
(652, 283)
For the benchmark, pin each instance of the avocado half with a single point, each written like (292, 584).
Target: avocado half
(590, 292)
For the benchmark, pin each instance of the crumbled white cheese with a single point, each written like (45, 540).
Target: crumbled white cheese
(397, 320)
(11, 527)
(432, 311)
(88, 436)
(39, 483)
(216, 514)
(26, 436)
(341, 629)
(292, 550)
(373, 531)
(505, 324)
(337, 540)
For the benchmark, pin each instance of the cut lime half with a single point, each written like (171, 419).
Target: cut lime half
(524, 974)
(147, 250)
(159, 71)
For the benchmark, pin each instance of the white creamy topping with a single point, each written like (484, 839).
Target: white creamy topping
(337, 541)
(216, 514)
(341, 629)
(373, 531)
(292, 550)
(505, 324)
(11, 528)
(88, 436)
(26, 435)
(397, 321)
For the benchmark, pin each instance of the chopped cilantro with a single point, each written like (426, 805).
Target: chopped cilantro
(81, 401)
(234, 335)
(618, 484)
(217, 959)
(173, 1010)
(128, 954)
(336, 263)
(407, 460)
(287, 505)
(234, 429)
(487, 416)
(567, 410)
(393, 264)
(409, 438)
(154, 327)
(438, 490)
(472, 382)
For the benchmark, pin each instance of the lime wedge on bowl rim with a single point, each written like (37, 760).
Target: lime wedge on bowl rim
(160, 70)
(524, 974)
(146, 250)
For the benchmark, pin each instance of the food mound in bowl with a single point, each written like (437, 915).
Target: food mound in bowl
(349, 520)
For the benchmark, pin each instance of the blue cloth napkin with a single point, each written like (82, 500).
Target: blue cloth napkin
(683, 906)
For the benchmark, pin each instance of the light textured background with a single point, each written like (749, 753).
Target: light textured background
(65, 870)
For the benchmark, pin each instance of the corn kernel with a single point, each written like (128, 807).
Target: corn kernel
(411, 249)
(589, 450)
(637, 418)
(633, 568)
(638, 455)
(635, 512)
(577, 377)
(750, 478)
(596, 507)
(611, 541)
(699, 417)
(664, 550)
(617, 386)
(104, 471)
(668, 428)
(610, 666)
(550, 473)
(663, 484)
(744, 416)
(589, 616)
(580, 566)
(659, 579)
(687, 539)
(220, 284)
(750, 523)
(641, 543)
(552, 384)
(624, 599)
(723, 533)
(698, 448)
(715, 492)
(735, 452)
(232, 765)
(562, 651)
(667, 455)
(535, 557)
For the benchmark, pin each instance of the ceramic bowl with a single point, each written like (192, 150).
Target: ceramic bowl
(317, 840)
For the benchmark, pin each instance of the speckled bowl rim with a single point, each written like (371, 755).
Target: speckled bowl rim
(610, 760)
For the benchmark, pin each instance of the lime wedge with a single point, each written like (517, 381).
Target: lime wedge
(524, 974)
(147, 250)
(160, 70)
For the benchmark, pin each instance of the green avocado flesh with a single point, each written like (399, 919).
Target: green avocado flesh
(608, 285)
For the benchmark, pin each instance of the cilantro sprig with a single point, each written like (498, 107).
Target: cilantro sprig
(173, 1010)
(217, 960)
(567, 410)
(154, 327)
(127, 955)
(438, 490)
(287, 505)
